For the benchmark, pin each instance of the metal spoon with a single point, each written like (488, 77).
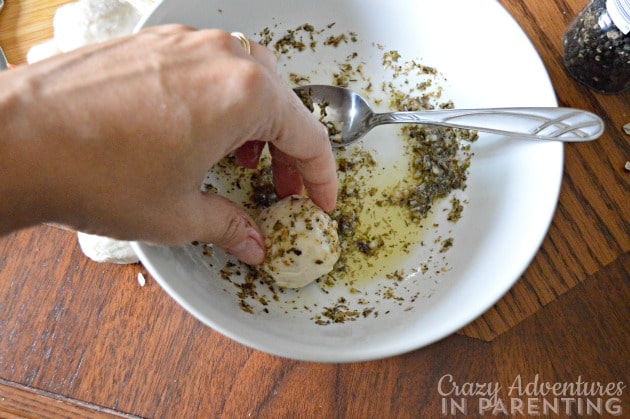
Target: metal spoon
(349, 118)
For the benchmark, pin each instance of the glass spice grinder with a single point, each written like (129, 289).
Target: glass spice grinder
(597, 46)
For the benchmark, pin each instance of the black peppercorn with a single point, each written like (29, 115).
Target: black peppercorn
(596, 49)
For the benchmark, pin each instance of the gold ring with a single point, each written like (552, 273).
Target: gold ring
(243, 40)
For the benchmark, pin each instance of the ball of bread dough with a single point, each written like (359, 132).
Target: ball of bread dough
(143, 6)
(41, 51)
(103, 249)
(87, 22)
(301, 240)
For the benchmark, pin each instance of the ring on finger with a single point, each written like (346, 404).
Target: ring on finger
(244, 41)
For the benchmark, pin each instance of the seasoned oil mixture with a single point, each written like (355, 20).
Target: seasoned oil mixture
(382, 209)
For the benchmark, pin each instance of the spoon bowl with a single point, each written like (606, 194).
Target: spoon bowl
(349, 117)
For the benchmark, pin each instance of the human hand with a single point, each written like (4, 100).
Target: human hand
(121, 134)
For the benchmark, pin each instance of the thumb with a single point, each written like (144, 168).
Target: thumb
(233, 230)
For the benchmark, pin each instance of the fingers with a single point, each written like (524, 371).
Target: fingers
(286, 178)
(230, 228)
(249, 153)
(258, 52)
(301, 153)
(264, 56)
(303, 146)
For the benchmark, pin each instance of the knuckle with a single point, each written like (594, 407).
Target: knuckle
(218, 35)
(176, 28)
(251, 75)
(247, 76)
(167, 29)
(233, 232)
(250, 86)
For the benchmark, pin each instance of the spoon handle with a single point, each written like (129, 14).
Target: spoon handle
(4, 64)
(563, 124)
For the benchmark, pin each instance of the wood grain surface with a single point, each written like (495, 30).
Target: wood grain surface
(81, 339)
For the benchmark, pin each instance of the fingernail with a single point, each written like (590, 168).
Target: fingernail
(251, 250)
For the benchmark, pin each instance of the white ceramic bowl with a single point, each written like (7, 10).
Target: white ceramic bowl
(512, 188)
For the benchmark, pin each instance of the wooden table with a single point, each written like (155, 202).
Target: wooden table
(83, 339)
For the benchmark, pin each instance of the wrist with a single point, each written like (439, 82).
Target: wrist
(23, 170)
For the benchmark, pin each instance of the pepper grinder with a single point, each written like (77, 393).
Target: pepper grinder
(597, 46)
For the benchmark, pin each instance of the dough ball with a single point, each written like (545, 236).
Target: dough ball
(104, 249)
(41, 51)
(88, 22)
(143, 6)
(301, 240)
